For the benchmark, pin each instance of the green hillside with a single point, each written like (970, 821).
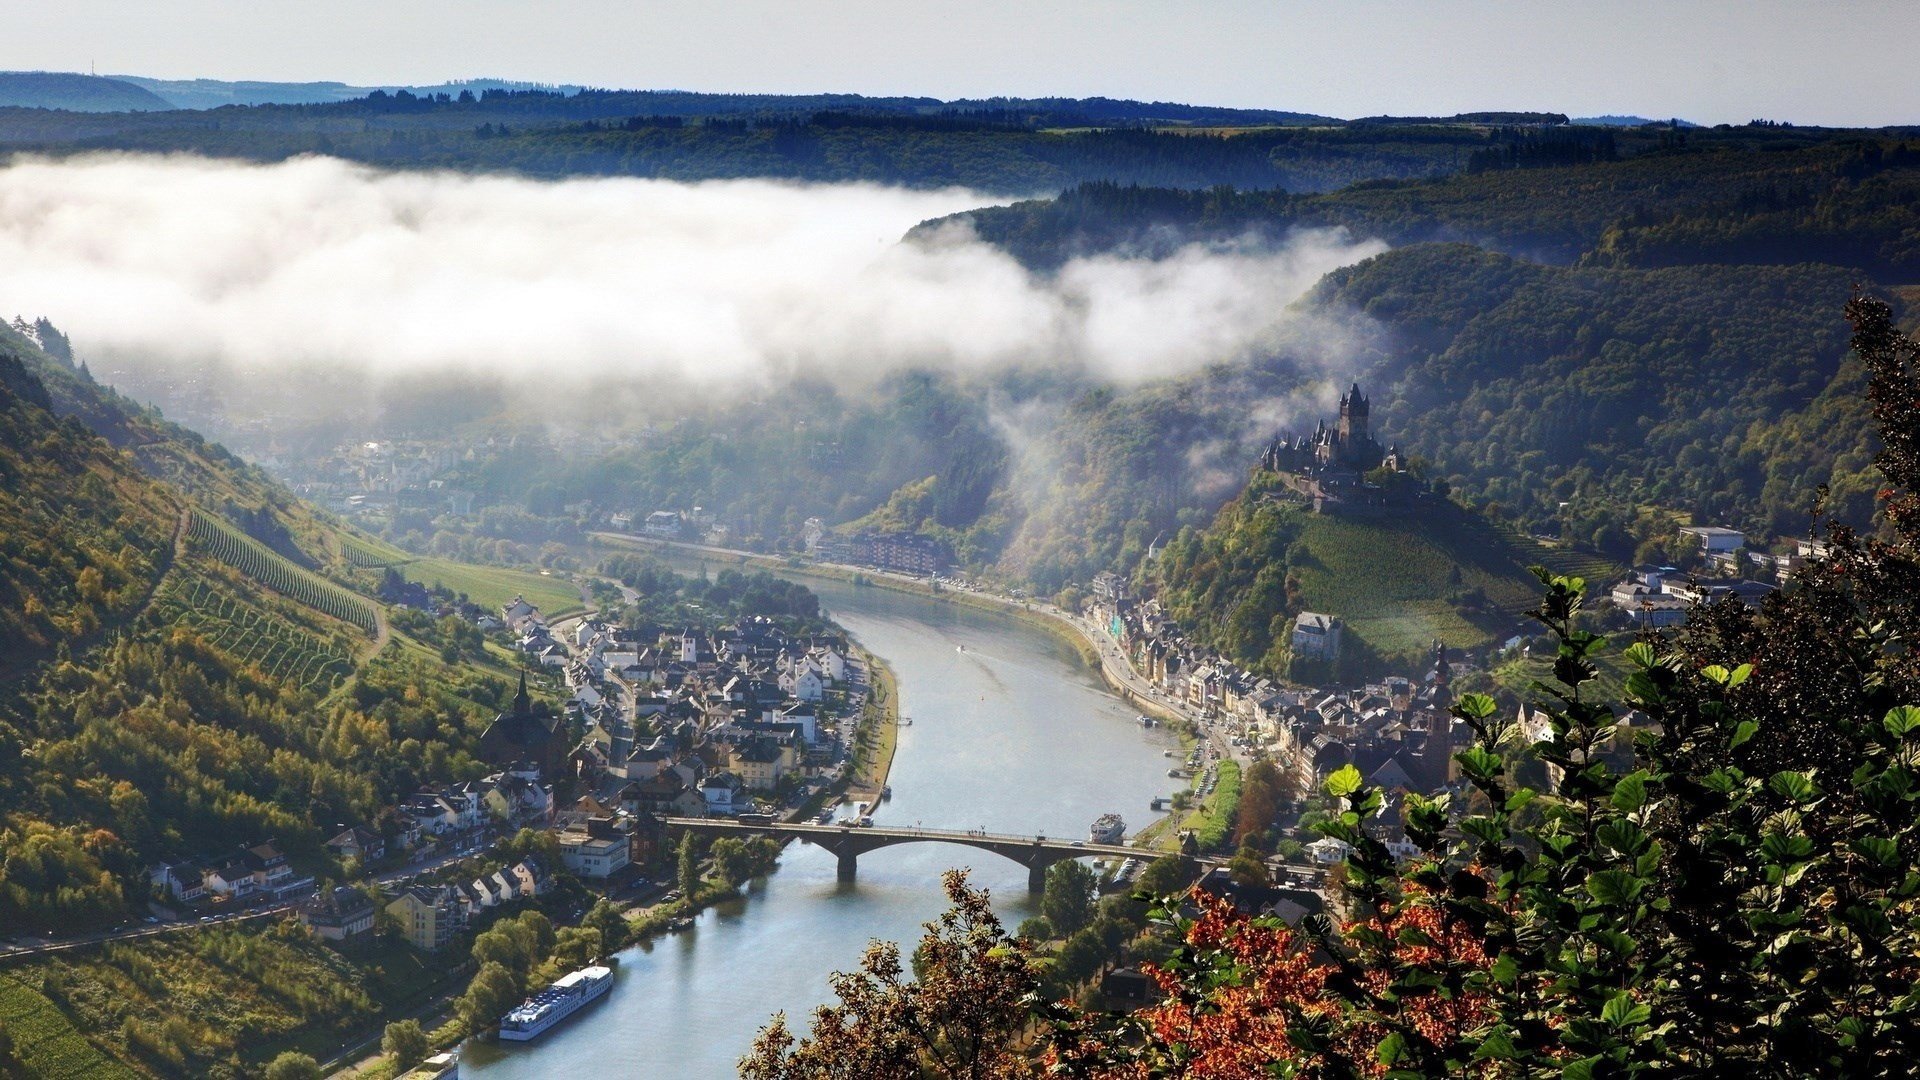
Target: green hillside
(180, 640)
(1400, 581)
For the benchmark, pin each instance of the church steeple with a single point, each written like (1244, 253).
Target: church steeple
(522, 705)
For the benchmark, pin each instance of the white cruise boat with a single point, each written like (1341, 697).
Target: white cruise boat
(565, 997)
(1107, 829)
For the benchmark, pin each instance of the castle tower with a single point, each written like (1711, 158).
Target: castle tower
(1353, 416)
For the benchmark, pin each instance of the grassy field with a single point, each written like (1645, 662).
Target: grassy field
(1390, 581)
(494, 586)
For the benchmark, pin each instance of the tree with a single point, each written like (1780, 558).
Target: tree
(612, 925)
(293, 1066)
(406, 1043)
(1261, 795)
(491, 993)
(960, 1020)
(1166, 876)
(1247, 867)
(689, 865)
(730, 860)
(1067, 901)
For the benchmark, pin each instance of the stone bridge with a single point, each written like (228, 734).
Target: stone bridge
(849, 842)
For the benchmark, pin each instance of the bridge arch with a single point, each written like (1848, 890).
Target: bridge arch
(848, 843)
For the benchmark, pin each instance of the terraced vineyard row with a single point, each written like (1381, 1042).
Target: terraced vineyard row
(1596, 568)
(252, 636)
(362, 554)
(45, 1040)
(272, 570)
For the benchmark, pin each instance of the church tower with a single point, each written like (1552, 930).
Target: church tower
(522, 705)
(1353, 417)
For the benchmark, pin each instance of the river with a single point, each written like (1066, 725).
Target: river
(1010, 731)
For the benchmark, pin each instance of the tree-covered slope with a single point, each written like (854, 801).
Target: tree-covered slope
(182, 674)
(1734, 196)
(1721, 393)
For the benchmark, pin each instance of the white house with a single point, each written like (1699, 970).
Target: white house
(1714, 539)
(726, 794)
(1316, 636)
(805, 683)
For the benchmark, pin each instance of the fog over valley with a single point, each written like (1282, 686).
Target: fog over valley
(316, 264)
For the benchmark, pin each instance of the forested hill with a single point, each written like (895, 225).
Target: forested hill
(192, 663)
(1003, 145)
(1006, 146)
(1586, 398)
(75, 93)
(1732, 196)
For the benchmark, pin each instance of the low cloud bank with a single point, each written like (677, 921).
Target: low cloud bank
(320, 263)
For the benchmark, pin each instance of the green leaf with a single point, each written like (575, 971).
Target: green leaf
(1739, 675)
(1718, 674)
(1392, 1048)
(1345, 781)
(1506, 970)
(1641, 654)
(1614, 887)
(1477, 706)
(1746, 730)
(1903, 721)
(1478, 762)
(1641, 687)
(1620, 1011)
(1622, 836)
(1580, 1070)
(1879, 849)
(1793, 786)
(1784, 848)
(1630, 793)
(1520, 798)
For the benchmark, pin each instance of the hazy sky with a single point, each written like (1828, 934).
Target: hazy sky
(1808, 61)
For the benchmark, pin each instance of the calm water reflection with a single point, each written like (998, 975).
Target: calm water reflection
(1010, 732)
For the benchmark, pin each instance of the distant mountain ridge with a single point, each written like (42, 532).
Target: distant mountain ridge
(74, 92)
(214, 93)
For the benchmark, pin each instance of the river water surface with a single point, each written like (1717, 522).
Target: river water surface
(1010, 732)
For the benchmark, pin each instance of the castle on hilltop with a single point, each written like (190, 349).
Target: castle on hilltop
(1329, 467)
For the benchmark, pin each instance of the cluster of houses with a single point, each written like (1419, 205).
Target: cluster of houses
(694, 524)
(1659, 596)
(256, 873)
(382, 476)
(429, 915)
(1396, 731)
(694, 721)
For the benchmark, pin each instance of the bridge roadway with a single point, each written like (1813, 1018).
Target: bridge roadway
(849, 842)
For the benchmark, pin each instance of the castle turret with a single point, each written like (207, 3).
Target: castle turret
(1353, 416)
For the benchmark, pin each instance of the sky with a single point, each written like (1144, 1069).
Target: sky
(1834, 62)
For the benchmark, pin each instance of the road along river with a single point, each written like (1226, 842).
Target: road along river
(1010, 732)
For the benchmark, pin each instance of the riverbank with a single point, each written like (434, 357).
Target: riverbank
(1039, 615)
(879, 734)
